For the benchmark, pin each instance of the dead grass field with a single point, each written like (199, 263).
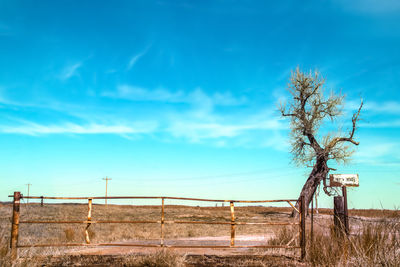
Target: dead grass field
(374, 239)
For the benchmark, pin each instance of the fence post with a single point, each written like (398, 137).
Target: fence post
(232, 224)
(303, 227)
(41, 201)
(162, 222)
(14, 226)
(89, 218)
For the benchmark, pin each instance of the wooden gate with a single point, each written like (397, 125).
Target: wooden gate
(88, 221)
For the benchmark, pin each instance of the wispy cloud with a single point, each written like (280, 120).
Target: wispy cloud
(376, 114)
(391, 107)
(381, 124)
(197, 131)
(135, 93)
(70, 71)
(371, 150)
(378, 152)
(32, 128)
(373, 107)
(136, 57)
(198, 121)
(240, 127)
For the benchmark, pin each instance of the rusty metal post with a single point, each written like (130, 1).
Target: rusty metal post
(41, 201)
(303, 227)
(89, 218)
(15, 225)
(233, 226)
(162, 222)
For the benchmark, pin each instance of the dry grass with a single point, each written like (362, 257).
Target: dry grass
(365, 249)
(372, 243)
(366, 213)
(283, 236)
(375, 213)
(159, 259)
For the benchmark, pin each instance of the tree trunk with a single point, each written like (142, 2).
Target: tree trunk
(319, 172)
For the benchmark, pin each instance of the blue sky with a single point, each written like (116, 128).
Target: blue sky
(180, 98)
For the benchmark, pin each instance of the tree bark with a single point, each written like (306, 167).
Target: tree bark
(318, 173)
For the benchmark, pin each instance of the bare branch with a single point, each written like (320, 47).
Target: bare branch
(288, 114)
(350, 139)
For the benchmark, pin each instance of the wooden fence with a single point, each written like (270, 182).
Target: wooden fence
(16, 221)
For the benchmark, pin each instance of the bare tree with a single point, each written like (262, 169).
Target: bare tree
(308, 109)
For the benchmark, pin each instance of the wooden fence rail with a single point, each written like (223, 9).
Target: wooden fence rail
(16, 221)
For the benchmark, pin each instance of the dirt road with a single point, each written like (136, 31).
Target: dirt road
(241, 240)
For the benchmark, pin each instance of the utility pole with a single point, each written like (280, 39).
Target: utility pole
(27, 200)
(106, 179)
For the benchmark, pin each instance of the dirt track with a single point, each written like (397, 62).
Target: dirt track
(116, 255)
(190, 261)
(244, 240)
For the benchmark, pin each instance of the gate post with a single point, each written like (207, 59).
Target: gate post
(339, 215)
(233, 225)
(14, 226)
(303, 227)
